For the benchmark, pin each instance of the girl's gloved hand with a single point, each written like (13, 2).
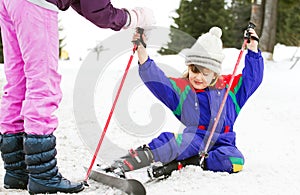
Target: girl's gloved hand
(141, 51)
(253, 45)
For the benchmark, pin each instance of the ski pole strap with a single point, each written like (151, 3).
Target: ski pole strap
(140, 41)
(251, 37)
(255, 38)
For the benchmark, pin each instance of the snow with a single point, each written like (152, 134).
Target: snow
(267, 129)
(267, 134)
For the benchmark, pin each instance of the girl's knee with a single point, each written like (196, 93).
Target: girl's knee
(225, 159)
(164, 147)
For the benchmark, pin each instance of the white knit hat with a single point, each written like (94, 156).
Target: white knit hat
(207, 51)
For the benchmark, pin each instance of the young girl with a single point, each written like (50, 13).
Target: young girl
(29, 30)
(195, 100)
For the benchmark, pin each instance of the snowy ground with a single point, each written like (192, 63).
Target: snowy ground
(267, 129)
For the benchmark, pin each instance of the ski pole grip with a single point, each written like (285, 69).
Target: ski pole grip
(251, 25)
(248, 35)
(141, 32)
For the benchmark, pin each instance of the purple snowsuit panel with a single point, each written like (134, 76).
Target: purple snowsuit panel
(100, 12)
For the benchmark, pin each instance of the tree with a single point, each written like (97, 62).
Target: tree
(257, 15)
(195, 18)
(240, 11)
(268, 35)
(277, 21)
(288, 31)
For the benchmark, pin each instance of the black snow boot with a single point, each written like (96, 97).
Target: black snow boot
(11, 146)
(135, 159)
(41, 163)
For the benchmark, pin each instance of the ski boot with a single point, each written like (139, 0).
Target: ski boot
(135, 159)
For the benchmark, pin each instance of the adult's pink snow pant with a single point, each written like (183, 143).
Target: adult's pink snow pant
(32, 93)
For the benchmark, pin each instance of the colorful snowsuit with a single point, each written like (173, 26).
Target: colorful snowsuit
(30, 40)
(196, 109)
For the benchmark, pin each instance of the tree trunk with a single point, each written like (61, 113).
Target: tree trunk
(268, 36)
(257, 15)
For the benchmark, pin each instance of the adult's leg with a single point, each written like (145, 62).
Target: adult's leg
(11, 121)
(37, 34)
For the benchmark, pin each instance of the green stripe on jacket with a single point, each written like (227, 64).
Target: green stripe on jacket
(182, 94)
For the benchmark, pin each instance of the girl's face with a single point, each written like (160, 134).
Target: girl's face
(200, 77)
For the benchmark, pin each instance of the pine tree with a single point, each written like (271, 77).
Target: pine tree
(240, 12)
(195, 18)
(288, 25)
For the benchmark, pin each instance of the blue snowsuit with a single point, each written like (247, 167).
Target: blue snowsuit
(197, 109)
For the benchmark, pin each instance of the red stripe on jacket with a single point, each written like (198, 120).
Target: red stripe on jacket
(225, 79)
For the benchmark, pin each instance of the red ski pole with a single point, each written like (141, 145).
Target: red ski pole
(203, 153)
(136, 43)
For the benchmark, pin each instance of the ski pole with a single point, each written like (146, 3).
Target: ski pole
(135, 47)
(203, 154)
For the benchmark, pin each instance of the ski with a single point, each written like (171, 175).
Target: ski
(130, 186)
(142, 176)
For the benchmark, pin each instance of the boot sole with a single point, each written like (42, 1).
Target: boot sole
(69, 191)
(8, 187)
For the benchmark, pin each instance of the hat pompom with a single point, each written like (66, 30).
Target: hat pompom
(216, 31)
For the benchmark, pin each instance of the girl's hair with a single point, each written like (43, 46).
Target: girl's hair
(185, 75)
